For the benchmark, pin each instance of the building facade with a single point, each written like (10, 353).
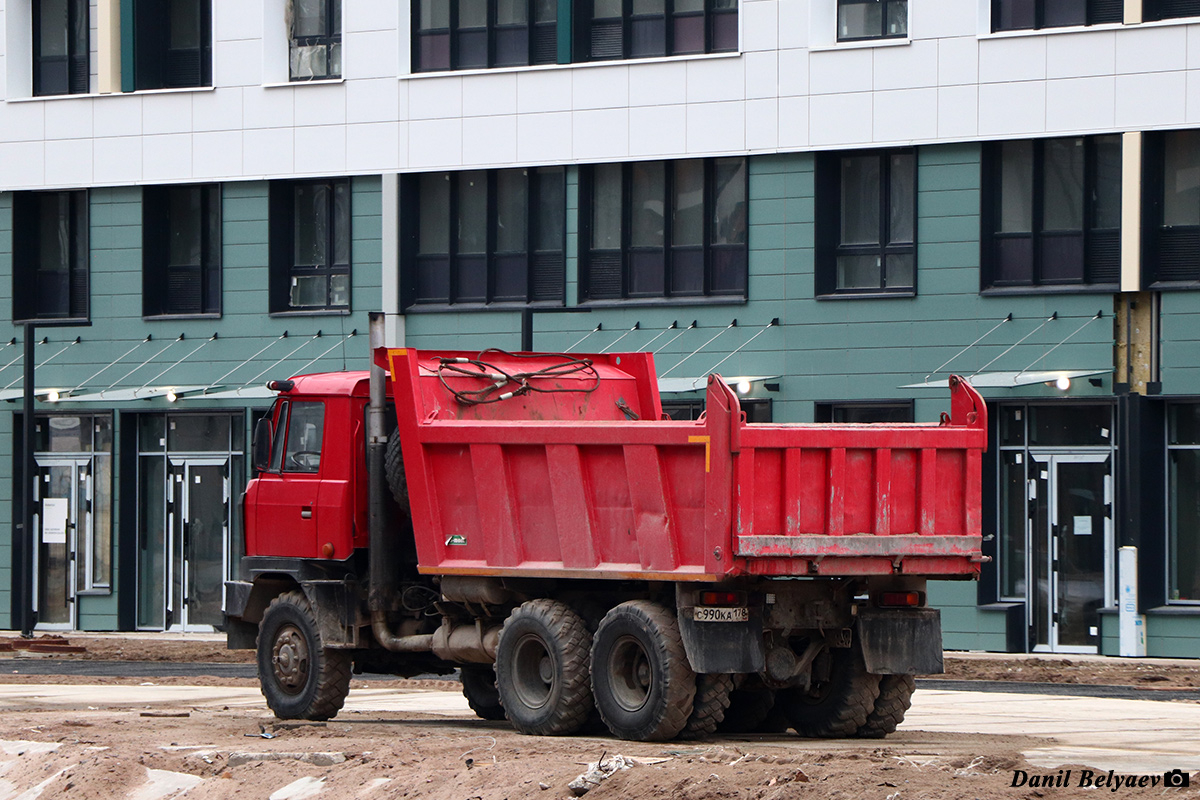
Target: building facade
(833, 203)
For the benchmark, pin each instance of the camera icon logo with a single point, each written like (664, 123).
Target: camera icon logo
(1177, 779)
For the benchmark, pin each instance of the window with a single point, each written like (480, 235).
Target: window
(475, 34)
(305, 431)
(1183, 501)
(181, 250)
(873, 412)
(1052, 212)
(756, 409)
(872, 19)
(866, 223)
(1170, 9)
(50, 256)
(665, 229)
(1015, 15)
(612, 29)
(1171, 205)
(486, 236)
(172, 45)
(316, 45)
(310, 246)
(60, 47)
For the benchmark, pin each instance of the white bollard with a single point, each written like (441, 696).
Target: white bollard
(1132, 624)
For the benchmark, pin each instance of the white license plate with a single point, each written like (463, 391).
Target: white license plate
(714, 614)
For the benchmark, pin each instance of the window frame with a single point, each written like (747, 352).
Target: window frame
(1169, 499)
(595, 274)
(540, 39)
(157, 279)
(882, 34)
(1096, 12)
(544, 267)
(282, 256)
(720, 35)
(1097, 244)
(78, 55)
(151, 63)
(828, 219)
(329, 40)
(1170, 254)
(27, 266)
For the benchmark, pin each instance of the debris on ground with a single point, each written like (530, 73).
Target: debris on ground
(599, 771)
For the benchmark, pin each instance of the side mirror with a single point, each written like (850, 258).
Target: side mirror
(264, 433)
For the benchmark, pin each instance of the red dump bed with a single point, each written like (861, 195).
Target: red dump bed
(577, 475)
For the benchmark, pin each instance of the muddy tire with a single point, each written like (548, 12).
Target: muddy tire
(479, 687)
(542, 669)
(748, 711)
(299, 676)
(393, 463)
(641, 679)
(895, 698)
(708, 707)
(837, 707)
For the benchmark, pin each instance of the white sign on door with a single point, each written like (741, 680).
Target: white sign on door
(54, 520)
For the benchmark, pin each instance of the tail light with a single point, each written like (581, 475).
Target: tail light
(721, 599)
(900, 599)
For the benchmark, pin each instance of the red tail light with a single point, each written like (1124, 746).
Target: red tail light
(720, 599)
(900, 599)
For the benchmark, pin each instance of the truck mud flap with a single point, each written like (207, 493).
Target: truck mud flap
(336, 605)
(722, 647)
(904, 641)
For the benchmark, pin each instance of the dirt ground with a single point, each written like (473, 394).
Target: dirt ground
(220, 752)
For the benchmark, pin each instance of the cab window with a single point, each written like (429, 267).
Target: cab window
(277, 444)
(305, 431)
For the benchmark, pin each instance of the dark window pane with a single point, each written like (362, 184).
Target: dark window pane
(687, 271)
(647, 273)
(512, 12)
(1183, 424)
(1014, 260)
(1184, 523)
(434, 233)
(311, 225)
(435, 52)
(341, 223)
(185, 226)
(1013, 494)
(512, 205)
(1070, 425)
(1181, 178)
(729, 202)
(1016, 188)
(687, 214)
(897, 18)
(648, 7)
(646, 204)
(1062, 180)
(1015, 14)
(551, 212)
(545, 10)
(606, 207)
(903, 198)
(472, 49)
(54, 27)
(1060, 13)
(860, 200)
(1062, 258)
(185, 24)
(54, 237)
(198, 433)
(689, 34)
(472, 212)
(472, 14)
(1106, 207)
(648, 37)
(472, 278)
(606, 9)
(512, 47)
(305, 434)
(728, 271)
(1012, 425)
(725, 31)
(511, 277)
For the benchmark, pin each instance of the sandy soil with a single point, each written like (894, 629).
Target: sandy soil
(216, 752)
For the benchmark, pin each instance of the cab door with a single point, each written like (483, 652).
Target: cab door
(287, 493)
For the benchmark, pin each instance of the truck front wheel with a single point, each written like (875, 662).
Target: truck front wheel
(541, 668)
(641, 678)
(300, 678)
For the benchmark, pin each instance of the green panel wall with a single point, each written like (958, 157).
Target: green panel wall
(113, 350)
(1180, 343)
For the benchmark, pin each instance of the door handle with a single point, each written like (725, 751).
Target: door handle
(306, 512)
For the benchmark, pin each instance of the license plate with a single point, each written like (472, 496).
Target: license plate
(714, 614)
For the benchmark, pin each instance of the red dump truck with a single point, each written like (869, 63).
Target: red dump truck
(533, 521)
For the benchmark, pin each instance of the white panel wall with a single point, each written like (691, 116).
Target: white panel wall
(791, 88)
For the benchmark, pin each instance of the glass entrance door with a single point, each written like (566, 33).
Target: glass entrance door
(63, 519)
(1070, 529)
(198, 529)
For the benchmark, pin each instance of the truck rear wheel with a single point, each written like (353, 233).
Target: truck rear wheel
(641, 678)
(541, 668)
(479, 687)
(836, 707)
(709, 705)
(748, 710)
(895, 698)
(300, 678)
